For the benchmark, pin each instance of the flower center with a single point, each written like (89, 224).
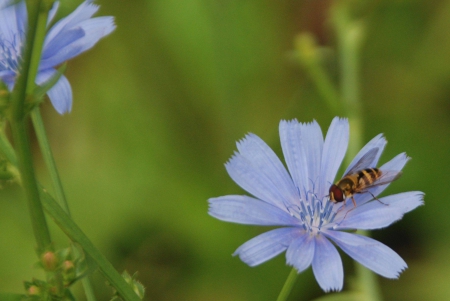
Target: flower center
(314, 213)
(10, 52)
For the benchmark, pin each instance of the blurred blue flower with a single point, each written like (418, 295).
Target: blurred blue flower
(300, 203)
(66, 39)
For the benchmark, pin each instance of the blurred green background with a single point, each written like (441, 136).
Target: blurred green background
(159, 104)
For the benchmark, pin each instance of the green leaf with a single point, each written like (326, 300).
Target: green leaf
(71, 229)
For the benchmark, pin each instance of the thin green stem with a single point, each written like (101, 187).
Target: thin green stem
(48, 158)
(309, 56)
(288, 285)
(350, 36)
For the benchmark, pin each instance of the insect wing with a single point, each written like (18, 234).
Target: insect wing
(387, 176)
(364, 162)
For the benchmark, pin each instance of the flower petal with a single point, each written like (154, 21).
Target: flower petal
(294, 155)
(246, 210)
(83, 12)
(312, 143)
(52, 12)
(13, 21)
(377, 142)
(249, 177)
(327, 265)
(334, 149)
(300, 252)
(60, 94)
(370, 253)
(266, 246)
(375, 215)
(266, 162)
(95, 29)
(74, 34)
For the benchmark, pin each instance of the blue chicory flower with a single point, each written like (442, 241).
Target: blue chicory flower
(66, 39)
(300, 203)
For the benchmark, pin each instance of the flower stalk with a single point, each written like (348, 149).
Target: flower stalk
(288, 285)
(18, 128)
(350, 36)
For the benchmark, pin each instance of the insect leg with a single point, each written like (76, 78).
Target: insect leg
(377, 199)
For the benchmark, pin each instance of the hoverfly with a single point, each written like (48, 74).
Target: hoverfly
(360, 178)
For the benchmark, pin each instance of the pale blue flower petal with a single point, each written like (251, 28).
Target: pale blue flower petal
(268, 164)
(246, 210)
(250, 178)
(85, 35)
(334, 149)
(52, 12)
(294, 154)
(8, 77)
(370, 253)
(301, 251)
(58, 50)
(95, 29)
(83, 12)
(312, 143)
(327, 265)
(374, 215)
(266, 246)
(377, 142)
(60, 94)
(13, 19)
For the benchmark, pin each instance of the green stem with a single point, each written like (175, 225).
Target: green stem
(350, 35)
(71, 229)
(38, 221)
(20, 135)
(309, 56)
(288, 285)
(48, 158)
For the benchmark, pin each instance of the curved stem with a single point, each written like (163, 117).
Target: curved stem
(287, 287)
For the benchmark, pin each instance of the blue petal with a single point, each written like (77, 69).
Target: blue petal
(249, 177)
(96, 29)
(334, 149)
(8, 78)
(52, 12)
(247, 210)
(370, 253)
(377, 142)
(13, 19)
(327, 265)
(374, 215)
(300, 253)
(83, 12)
(74, 34)
(312, 142)
(267, 245)
(294, 154)
(56, 46)
(60, 94)
(267, 163)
